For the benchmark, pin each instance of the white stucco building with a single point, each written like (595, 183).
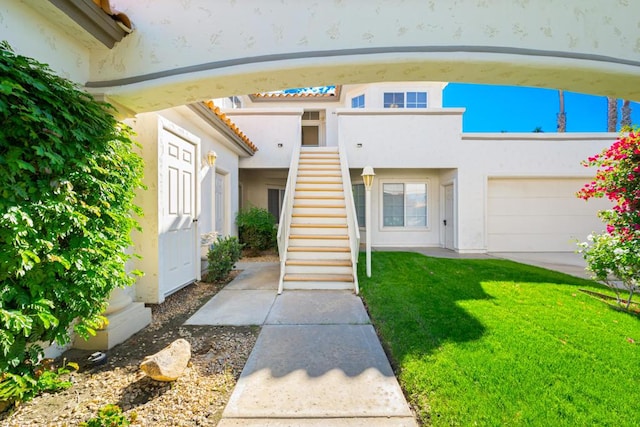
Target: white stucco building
(434, 185)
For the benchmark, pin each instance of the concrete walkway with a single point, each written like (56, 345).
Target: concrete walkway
(316, 362)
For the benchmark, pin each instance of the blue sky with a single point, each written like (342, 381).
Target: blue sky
(521, 109)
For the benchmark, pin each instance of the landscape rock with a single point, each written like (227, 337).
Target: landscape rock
(169, 363)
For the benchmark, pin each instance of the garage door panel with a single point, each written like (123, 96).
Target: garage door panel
(537, 187)
(539, 215)
(543, 224)
(532, 243)
(545, 206)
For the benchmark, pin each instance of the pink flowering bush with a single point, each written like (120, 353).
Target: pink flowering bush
(614, 256)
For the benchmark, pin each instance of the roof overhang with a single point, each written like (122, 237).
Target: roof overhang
(106, 26)
(213, 120)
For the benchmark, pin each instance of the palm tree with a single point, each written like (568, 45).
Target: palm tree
(625, 121)
(612, 114)
(561, 117)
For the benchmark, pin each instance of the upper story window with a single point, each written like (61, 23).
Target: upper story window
(416, 99)
(394, 100)
(413, 100)
(357, 102)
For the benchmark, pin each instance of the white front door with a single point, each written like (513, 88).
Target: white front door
(178, 233)
(448, 216)
(220, 208)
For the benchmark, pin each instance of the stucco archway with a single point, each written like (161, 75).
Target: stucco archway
(187, 51)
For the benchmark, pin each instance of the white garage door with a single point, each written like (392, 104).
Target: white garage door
(539, 215)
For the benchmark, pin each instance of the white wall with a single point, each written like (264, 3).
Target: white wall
(399, 138)
(33, 34)
(256, 182)
(266, 129)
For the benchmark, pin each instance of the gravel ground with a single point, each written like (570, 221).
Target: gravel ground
(196, 399)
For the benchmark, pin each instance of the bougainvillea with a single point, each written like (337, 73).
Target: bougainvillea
(614, 256)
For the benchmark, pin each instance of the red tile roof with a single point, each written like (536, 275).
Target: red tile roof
(245, 139)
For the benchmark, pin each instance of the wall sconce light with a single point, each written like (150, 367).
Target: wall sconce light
(359, 145)
(279, 144)
(211, 158)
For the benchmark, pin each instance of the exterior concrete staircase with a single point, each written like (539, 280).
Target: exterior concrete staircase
(319, 250)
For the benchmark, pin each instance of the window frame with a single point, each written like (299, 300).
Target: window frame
(359, 100)
(389, 228)
(364, 203)
(405, 99)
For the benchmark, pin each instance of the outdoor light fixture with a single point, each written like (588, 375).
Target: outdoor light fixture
(367, 177)
(211, 158)
(279, 144)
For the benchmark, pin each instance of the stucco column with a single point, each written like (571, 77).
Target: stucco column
(125, 318)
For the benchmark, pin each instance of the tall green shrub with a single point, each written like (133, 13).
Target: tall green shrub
(68, 177)
(257, 228)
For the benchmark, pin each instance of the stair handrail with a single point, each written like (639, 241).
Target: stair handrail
(284, 226)
(352, 218)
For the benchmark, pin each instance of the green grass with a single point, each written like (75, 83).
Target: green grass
(494, 342)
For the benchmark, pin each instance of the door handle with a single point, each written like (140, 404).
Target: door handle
(445, 222)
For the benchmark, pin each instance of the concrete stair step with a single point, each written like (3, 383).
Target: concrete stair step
(319, 211)
(328, 266)
(319, 243)
(308, 196)
(309, 220)
(318, 150)
(297, 269)
(320, 263)
(311, 173)
(319, 229)
(319, 186)
(319, 249)
(318, 281)
(319, 180)
(322, 205)
(320, 157)
(319, 191)
(299, 254)
(319, 237)
(317, 286)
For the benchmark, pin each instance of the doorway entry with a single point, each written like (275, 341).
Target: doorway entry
(448, 217)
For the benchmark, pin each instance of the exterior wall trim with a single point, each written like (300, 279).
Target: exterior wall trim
(400, 111)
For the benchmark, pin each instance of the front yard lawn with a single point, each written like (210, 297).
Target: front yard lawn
(494, 342)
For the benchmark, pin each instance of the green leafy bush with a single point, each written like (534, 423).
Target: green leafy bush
(69, 177)
(222, 256)
(109, 416)
(46, 378)
(257, 229)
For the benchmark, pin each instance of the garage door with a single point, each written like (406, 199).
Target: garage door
(539, 215)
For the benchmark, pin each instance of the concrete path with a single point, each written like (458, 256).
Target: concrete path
(565, 262)
(317, 360)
